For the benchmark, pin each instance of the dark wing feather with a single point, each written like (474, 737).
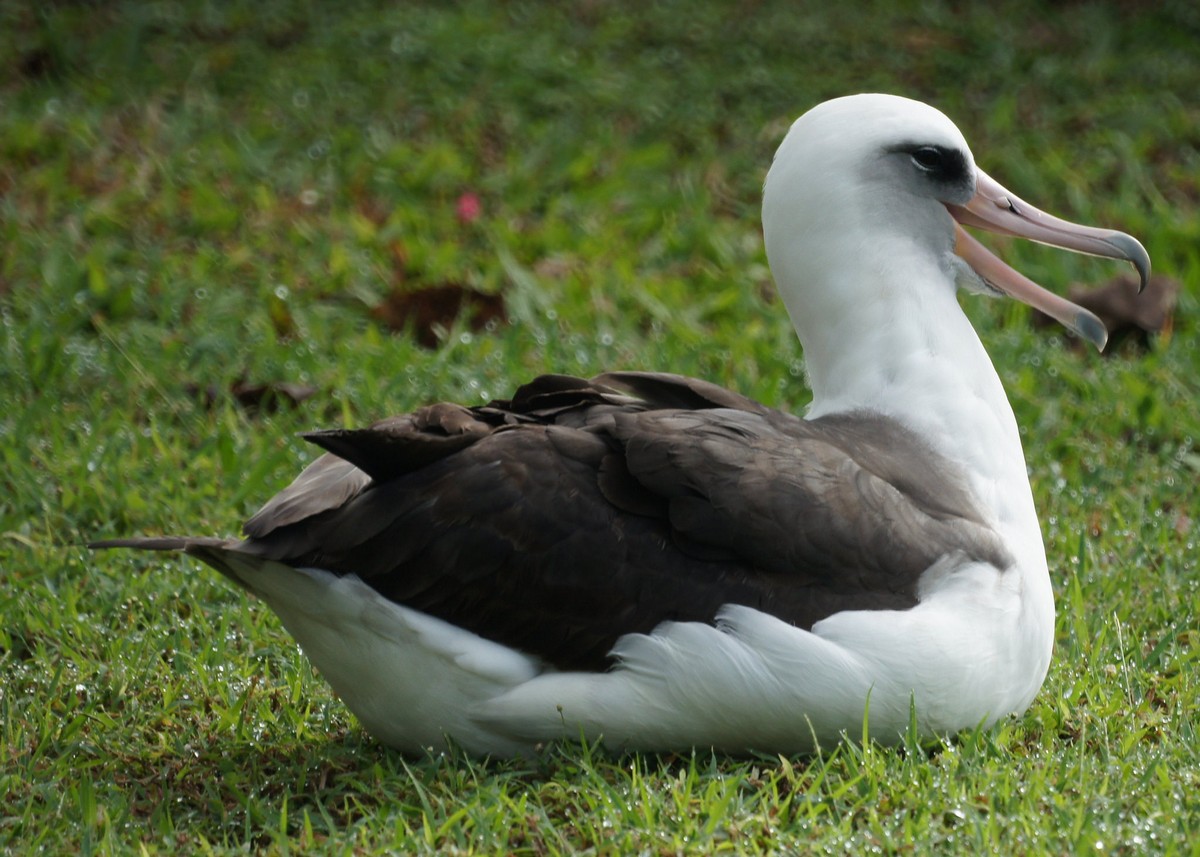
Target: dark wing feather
(836, 501)
(578, 511)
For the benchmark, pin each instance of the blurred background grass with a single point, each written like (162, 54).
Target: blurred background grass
(200, 199)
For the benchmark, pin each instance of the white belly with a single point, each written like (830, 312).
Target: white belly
(968, 654)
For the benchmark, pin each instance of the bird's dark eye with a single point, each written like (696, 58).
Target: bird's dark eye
(930, 159)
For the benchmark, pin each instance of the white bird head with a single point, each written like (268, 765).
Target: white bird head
(870, 191)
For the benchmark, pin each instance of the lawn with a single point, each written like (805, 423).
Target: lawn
(214, 218)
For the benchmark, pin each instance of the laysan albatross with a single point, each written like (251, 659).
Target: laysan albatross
(660, 563)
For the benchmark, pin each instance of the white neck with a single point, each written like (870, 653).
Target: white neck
(906, 350)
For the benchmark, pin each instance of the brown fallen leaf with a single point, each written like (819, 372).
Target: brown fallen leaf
(1125, 313)
(267, 396)
(426, 309)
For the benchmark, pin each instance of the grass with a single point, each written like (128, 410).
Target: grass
(195, 194)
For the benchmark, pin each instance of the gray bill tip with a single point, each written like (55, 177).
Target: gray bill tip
(1130, 248)
(1091, 328)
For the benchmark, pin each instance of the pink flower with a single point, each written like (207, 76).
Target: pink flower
(468, 208)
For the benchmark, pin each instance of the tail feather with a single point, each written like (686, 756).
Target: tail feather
(207, 549)
(161, 543)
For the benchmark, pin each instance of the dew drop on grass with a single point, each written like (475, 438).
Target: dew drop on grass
(953, 816)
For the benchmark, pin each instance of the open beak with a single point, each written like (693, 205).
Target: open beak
(998, 210)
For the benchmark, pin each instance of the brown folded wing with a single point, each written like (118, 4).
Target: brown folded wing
(580, 510)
